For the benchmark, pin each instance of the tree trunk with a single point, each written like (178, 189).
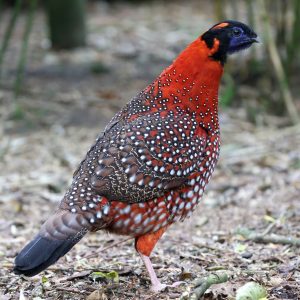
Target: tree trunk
(66, 20)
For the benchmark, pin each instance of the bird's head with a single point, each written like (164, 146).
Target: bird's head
(228, 37)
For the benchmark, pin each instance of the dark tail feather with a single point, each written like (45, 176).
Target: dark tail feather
(39, 254)
(57, 236)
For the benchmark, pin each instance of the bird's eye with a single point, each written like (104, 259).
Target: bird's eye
(237, 31)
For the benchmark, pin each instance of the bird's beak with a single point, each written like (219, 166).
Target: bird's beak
(255, 40)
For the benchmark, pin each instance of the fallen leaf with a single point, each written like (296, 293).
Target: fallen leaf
(97, 295)
(113, 276)
(269, 219)
(251, 291)
(240, 248)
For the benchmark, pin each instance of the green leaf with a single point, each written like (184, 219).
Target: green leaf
(44, 279)
(18, 113)
(228, 91)
(113, 276)
(269, 219)
(251, 291)
(240, 248)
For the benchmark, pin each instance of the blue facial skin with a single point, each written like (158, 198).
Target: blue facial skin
(240, 40)
(233, 36)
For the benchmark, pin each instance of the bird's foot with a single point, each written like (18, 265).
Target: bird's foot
(158, 287)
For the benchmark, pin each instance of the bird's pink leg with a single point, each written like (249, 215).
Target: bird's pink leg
(156, 284)
(144, 246)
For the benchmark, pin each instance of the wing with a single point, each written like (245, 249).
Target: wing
(143, 159)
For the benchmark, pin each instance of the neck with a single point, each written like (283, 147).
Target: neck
(190, 84)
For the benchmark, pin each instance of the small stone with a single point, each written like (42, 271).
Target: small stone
(247, 255)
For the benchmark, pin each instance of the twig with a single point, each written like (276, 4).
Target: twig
(23, 56)
(70, 290)
(273, 224)
(215, 268)
(60, 268)
(194, 257)
(269, 229)
(275, 134)
(76, 275)
(265, 239)
(202, 285)
(202, 245)
(108, 247)
(261, 149)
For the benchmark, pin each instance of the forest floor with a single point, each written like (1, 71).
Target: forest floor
(69, 97)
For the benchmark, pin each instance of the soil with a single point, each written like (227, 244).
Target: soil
(66, 100)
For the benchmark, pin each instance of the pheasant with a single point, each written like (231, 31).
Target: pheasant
(149, 168)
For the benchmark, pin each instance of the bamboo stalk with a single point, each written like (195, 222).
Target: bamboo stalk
(1, 4)
(67, 23)
(250, 12)
(219, 10)
(281, 11)
(9, 30)
(277, 64)
(294, 43)
(234, 9)
(23, 55)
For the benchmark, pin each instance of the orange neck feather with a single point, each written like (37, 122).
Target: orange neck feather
(191, 83)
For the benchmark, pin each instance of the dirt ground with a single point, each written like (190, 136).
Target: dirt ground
(69, 97)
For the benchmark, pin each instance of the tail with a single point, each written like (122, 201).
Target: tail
(56, 237)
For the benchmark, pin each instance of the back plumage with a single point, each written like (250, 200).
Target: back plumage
(150, 166)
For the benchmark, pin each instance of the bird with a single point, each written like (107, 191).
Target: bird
(149, 167)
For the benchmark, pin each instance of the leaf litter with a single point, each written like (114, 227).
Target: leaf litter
(66, 104)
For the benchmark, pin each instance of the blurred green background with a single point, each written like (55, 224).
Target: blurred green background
(35, 35)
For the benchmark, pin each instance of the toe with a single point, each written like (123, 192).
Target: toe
(158, 287)
(177, 283)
